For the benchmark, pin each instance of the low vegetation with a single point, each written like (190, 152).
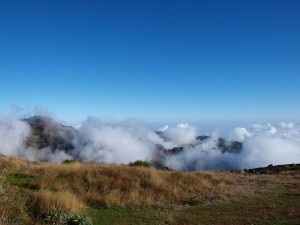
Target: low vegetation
(60, 216)
(120, 185)
(140, 163)
(68, 161)
(20, 181)
(82, 193)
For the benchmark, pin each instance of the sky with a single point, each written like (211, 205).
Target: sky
(160, 60)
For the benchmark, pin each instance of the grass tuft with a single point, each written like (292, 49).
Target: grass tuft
(47, 201)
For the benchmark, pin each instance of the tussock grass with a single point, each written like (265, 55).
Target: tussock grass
(34, 190)
(48, 201)
(161, 197)
(2, 197)
(116, 185)
(12, 201)
(100, 184)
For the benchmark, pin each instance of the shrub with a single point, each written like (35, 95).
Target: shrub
(60, 216)
(69, 161)
(79, 220)
(140, 163)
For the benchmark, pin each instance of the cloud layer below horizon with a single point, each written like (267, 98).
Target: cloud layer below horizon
(130, 140)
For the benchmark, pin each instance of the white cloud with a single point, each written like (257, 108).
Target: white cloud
(13, 135)
(130, 140)
(242, 132)
(113, 143)
(181, 134)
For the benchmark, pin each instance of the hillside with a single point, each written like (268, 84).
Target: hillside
(45, 132)
(46, 193)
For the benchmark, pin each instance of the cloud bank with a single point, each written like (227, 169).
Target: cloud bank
(13, 135)
(131, 140)
(113, 143)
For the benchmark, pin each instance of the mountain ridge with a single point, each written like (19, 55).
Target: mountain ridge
(47, 133)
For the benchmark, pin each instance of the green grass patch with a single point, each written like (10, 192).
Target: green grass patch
(278, 210)
(128, 216)
(20, 181)
(260, 210)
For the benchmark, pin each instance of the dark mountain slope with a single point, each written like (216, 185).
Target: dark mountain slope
(48, 133)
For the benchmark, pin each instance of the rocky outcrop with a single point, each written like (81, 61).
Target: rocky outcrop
(229, 146)
(46, 133)
(272, 169)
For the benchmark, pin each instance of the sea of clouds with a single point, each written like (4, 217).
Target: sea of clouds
(130, 140)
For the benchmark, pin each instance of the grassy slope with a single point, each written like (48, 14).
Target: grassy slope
(116, 194)
(261, 199)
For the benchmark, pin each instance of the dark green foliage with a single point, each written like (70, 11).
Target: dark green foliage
(69, 161)
(140, 163)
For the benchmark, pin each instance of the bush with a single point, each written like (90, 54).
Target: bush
(140, 163)
(79, 220)
(69, 161)
(62, 217)
(58, 216)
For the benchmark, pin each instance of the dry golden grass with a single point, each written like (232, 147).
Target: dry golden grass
(48, 201)
(12, 202)
(3, 198)
(76, 185)
(129, 186)
(121, 185)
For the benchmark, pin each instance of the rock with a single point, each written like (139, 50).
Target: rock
(202, 138)
(270, 169)
(46, 133)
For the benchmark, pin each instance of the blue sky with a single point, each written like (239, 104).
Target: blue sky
(165, 60)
